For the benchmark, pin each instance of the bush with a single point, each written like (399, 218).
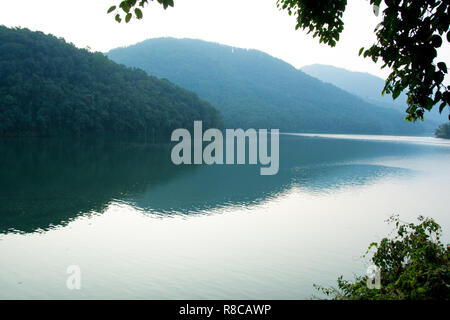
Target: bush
(414, 264)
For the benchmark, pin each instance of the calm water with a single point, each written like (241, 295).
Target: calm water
(139, 227)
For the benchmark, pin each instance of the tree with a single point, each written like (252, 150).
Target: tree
(414, 264)
(443, 131)
(407, 39)
(51, 88)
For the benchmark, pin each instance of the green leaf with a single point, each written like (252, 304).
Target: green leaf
(442, 66)
(396, 92)
(112, 9)
(361, 51)
(437, 96)
(125, 6)
(446, 97)
(128, 17)
(138, 13)
(166, 3)
(436, 41)
(118, 19)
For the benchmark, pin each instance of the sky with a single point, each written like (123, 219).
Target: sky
(252, 24)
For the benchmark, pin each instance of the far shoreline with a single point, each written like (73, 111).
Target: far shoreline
(376, 137)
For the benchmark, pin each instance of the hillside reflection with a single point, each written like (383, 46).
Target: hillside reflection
(46, 183)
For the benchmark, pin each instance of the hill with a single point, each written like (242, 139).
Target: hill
(365, 86)
(253, 89)
(443, 131)
(51, 88)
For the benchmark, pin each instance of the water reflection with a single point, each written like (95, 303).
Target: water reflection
(47, 183)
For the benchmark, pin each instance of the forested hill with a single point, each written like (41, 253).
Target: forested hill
(50, 88)
(366, 86)
(362, 84)
(253, 89)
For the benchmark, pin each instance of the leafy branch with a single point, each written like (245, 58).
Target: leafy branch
(407, 39)
(132, 8)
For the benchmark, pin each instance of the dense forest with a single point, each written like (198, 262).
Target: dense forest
(51, 88)
(253, 89)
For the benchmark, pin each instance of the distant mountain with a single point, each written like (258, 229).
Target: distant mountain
(253, 89)
(365, 86)
(50, 88)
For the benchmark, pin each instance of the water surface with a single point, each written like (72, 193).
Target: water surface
(140, 227)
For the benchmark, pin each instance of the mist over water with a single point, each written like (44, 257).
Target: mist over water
(140, 227)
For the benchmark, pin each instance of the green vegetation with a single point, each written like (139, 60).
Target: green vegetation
(368, 87)
(361, 84)
(255, 90)
(131, 8)
(414, 264)
(50, 88)
(407, 39)
(443, 131)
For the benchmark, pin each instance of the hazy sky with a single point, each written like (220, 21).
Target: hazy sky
(256, 24)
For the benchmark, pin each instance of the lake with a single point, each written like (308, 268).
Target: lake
(140, 227)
